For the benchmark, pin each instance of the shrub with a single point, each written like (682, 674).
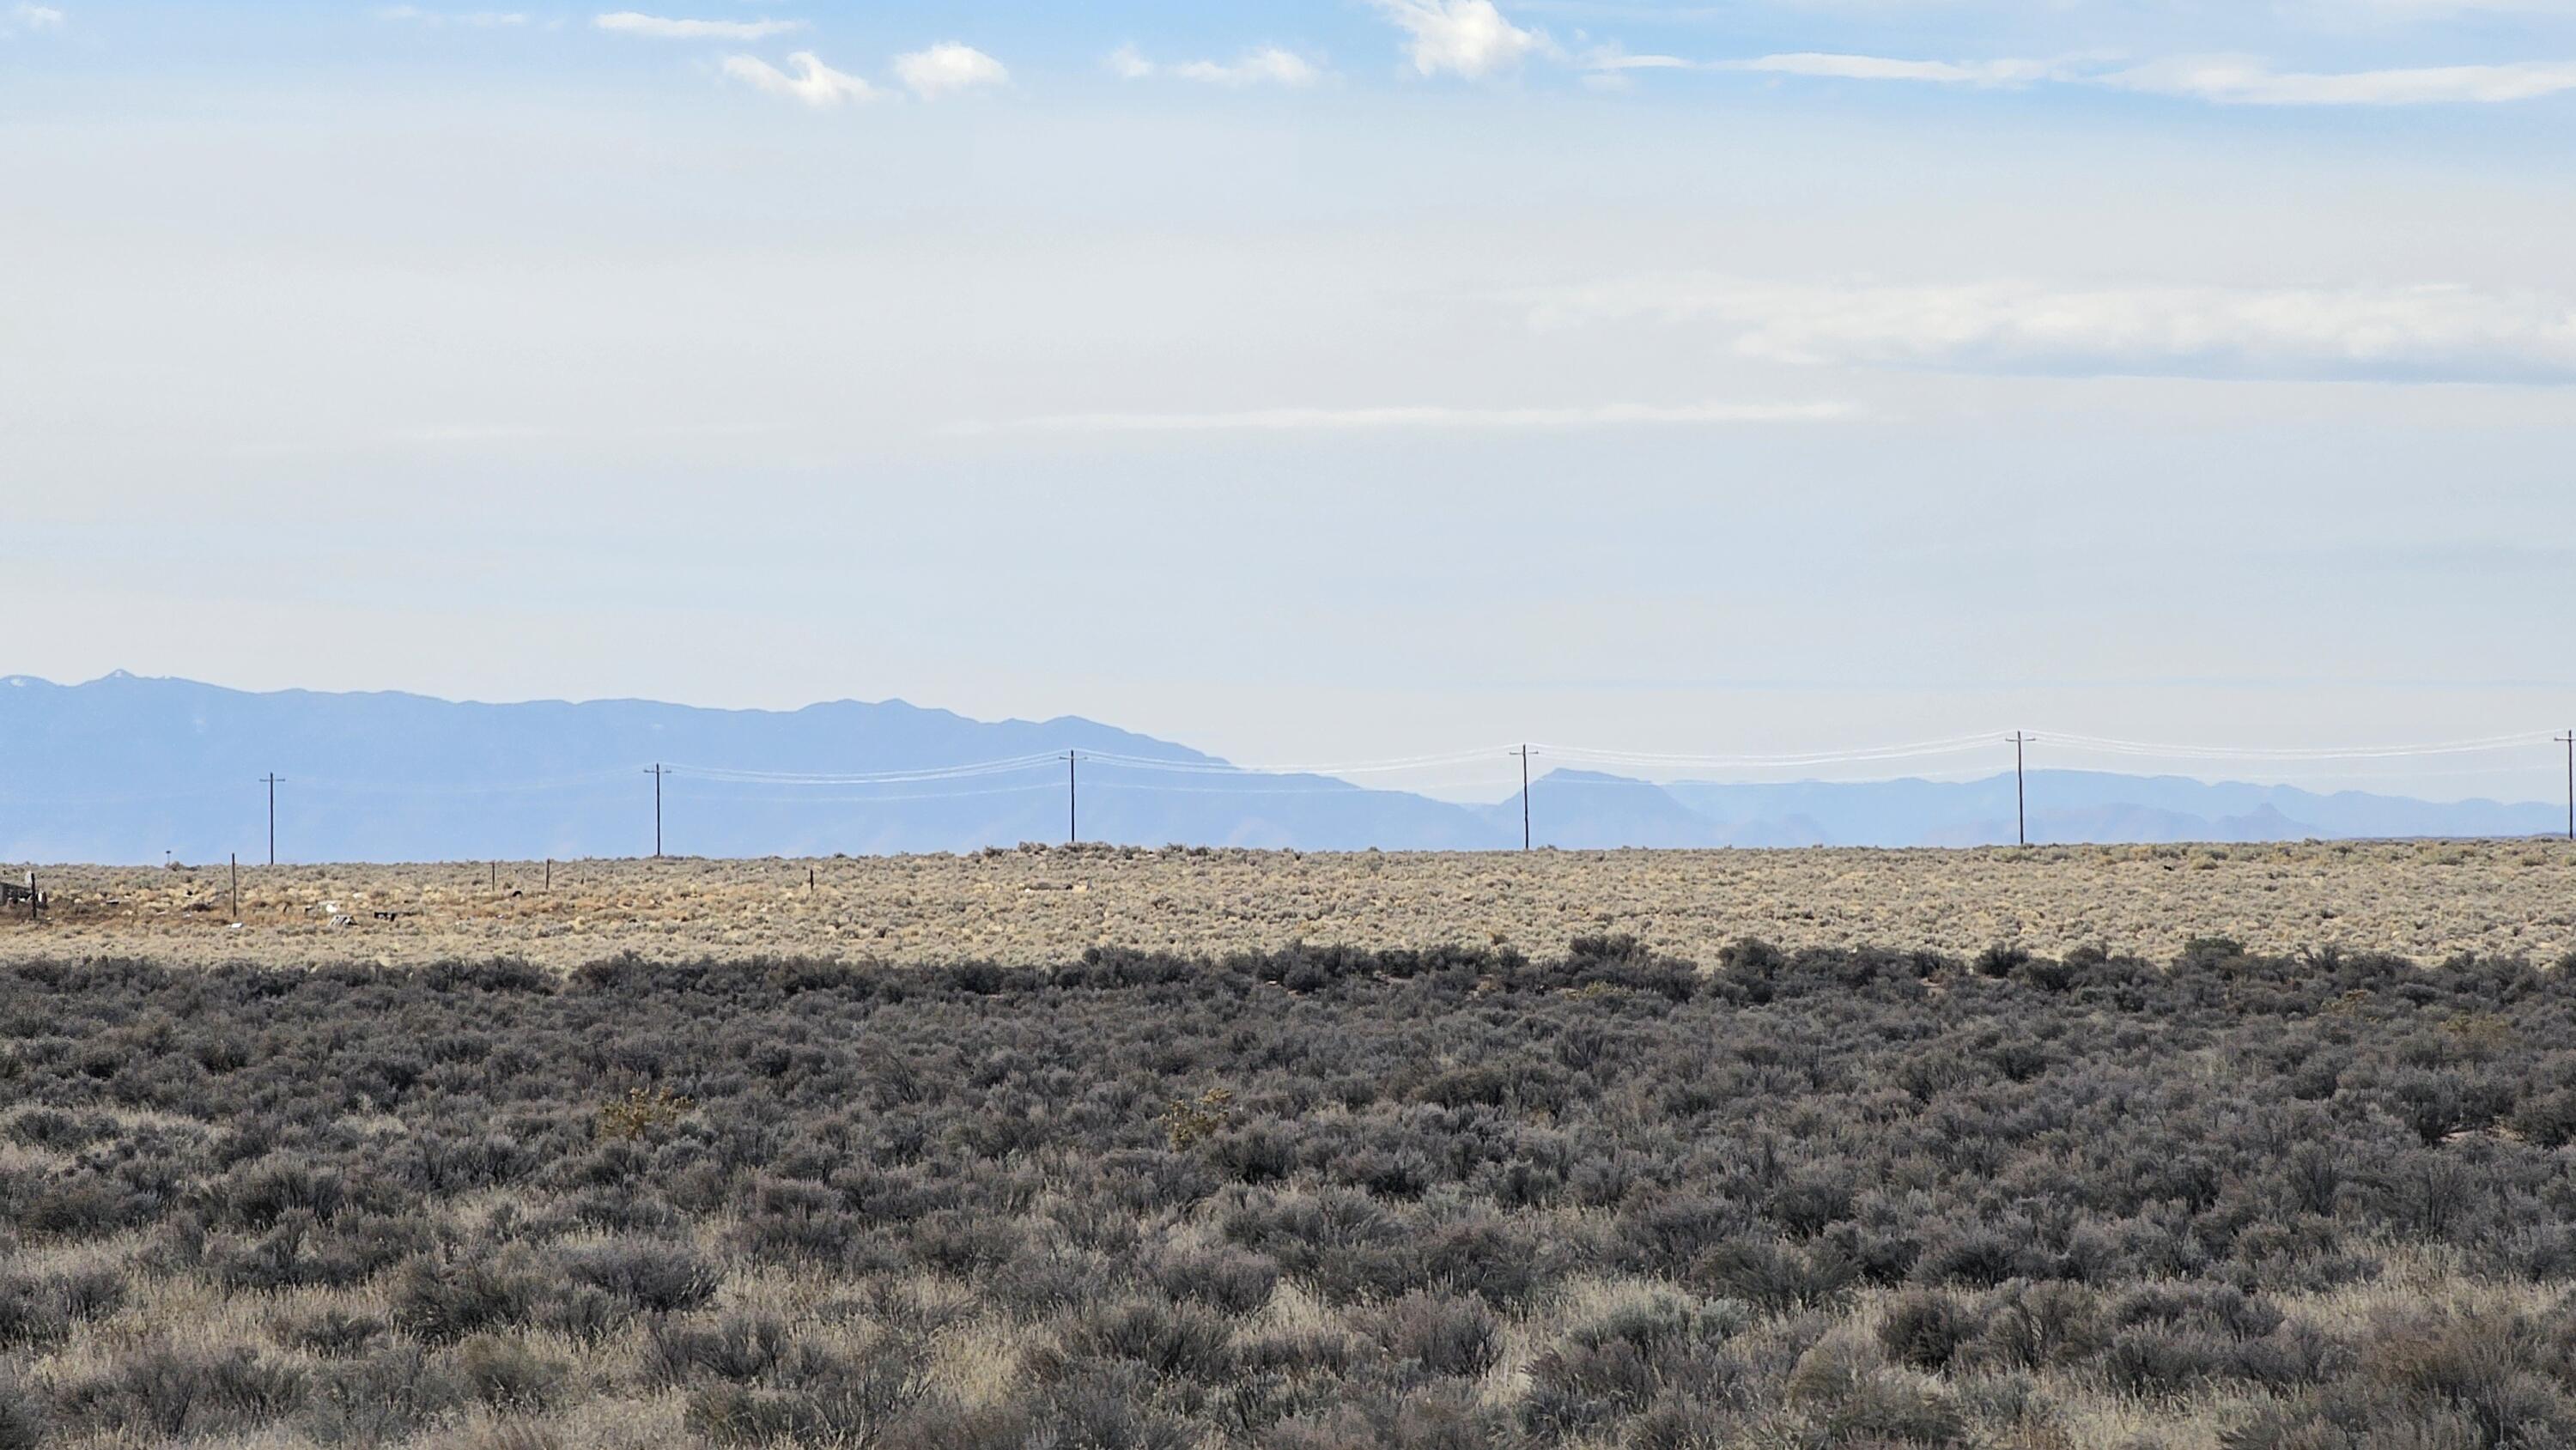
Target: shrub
(506, 1374)
(1228, 1279)
(739, 1348)
(330, 1332)
(658, 1277)
(640, 1113)
(1443, 1334)
(22, 1419)
(440, 1301)
(1925, 1329)
(2003, 959)
(2035, 1326)
(1776, 1277)
(1168, 1339)
(1189, 1121)
(819, 1400)
(178, 1394)
(38, 1310)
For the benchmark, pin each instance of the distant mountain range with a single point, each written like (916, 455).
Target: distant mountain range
(125, 769)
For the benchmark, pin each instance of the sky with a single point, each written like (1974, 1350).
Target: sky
(1322, 382)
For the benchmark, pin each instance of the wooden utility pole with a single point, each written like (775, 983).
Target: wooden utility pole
(1523, 753)
(2569, 740)
(657, 772)
(271, 779)
(2021, 791)
(236, 886)
(1071, 835)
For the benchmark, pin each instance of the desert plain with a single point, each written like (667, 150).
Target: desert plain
(1034, 905)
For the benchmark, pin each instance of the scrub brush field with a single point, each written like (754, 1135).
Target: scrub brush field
(1306, 1200)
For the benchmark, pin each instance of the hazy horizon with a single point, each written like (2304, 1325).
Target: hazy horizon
(1458, 778)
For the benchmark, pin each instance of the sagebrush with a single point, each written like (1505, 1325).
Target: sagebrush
(1301, 1199)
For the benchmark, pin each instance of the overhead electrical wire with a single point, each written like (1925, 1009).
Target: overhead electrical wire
(1490, 766)
(1008, 766)
(518, 787)
(1357, 767)
(1954, 745)
(1049, 786)
(2101, 745)
(1113, 764)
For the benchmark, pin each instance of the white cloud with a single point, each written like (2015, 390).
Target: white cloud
(2437, 333)
(2225, 80)
(1261, 65)
(628, 22)
(948, 67)
(1461, 37)
(1129, 64)
(471, 19)
(1279, 420)
(30, 19)
(1612, 58)
(814, 83)
(2238, 80)
(1880, 68)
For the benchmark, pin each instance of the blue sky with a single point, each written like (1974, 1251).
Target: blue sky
(1315, 381)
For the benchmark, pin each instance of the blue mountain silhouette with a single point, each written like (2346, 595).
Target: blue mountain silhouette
(124, 769)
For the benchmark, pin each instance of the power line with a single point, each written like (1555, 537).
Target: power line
(1360, 767)
(1951, 746)
(2292, 753)
(1007, 766)
(1121, 771)
(2021, 791)
(271, 780)
(512, 787)
(1525, 814)
(936, 795)
(2569, 740)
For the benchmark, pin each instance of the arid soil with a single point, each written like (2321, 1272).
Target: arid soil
(2428, 901)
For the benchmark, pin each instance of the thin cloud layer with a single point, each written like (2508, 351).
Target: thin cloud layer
(2405, 334)
(812, 82)
(2220, 80)
(2234, 80)
(1880, 68)
(1467, 38)
(1261, 65)
(628, 22)
(948, 68)
(30, 20)
(466, 19)
(1281, 420)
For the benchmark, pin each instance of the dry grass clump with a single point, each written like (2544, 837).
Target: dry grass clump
(1309, 1199)
(2424, 900)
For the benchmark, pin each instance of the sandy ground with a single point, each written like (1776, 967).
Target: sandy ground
(2424, 900)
